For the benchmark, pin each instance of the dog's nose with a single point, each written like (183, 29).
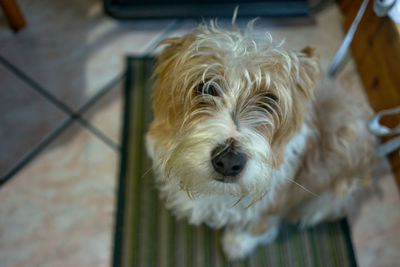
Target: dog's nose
(227, 161)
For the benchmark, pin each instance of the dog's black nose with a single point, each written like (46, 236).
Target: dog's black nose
(227, 161)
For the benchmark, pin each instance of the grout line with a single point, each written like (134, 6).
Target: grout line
(63, 107)
(107, 88)
(34, 85)
(22, 162)
(97, 133)
(59, 104)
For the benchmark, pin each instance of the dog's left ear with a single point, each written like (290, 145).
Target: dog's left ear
(309, 70)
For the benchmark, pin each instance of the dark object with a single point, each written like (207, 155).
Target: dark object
(13, 14)
(226, 161)
(140, 9)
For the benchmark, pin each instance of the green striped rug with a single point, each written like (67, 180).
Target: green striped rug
(147, 235)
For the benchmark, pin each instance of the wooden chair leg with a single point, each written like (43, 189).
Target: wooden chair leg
(13, 14)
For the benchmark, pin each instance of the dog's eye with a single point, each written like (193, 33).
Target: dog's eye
(209, 89)
(268, 102)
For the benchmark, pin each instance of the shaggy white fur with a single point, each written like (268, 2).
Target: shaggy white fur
(306, 146)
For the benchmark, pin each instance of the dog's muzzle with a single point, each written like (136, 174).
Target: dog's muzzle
(227, 161)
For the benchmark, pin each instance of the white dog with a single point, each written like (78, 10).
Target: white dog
(245, 134)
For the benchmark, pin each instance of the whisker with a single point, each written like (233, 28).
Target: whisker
(252, 203)
(237, 202)
(302, 187)
(146, 172)
(226, 145)
(189, 193)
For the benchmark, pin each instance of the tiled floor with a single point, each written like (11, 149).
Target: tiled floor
(61, 108)
(58, 211)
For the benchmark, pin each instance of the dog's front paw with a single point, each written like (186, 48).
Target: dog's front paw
(237, 245)
(269, 236)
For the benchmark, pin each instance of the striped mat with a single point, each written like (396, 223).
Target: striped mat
(148, 235)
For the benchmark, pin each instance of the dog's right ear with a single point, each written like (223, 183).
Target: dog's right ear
(164, 89)
(166, 61)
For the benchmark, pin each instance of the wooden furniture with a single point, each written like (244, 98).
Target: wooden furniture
(13, 14)
(376, 51)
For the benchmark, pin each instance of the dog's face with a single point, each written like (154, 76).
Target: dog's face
(226, 104)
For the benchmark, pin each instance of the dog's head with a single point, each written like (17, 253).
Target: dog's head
(226, 103)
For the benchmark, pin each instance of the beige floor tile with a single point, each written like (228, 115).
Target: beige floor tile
(107, 114)
(25, 118)
(375, 222)
(73, 49)
(59, 210)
